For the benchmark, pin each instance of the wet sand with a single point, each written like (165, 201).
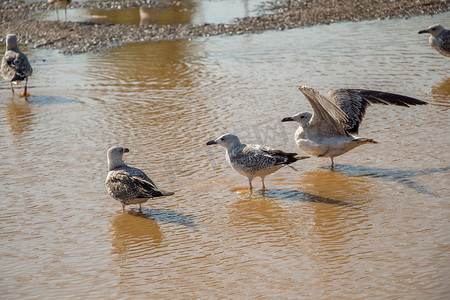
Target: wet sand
(80, 37)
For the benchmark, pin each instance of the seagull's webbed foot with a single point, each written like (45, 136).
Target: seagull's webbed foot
(25, 93)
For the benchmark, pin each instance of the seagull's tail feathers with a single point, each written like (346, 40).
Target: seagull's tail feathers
(166, 193)
(364, 141)
(149, 189)
(295, 169)
(302, 157)
(292, 158)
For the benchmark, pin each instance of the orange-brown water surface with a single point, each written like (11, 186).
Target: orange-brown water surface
(377, 227)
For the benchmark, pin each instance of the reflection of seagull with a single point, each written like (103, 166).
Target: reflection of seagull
(439, 39)
(127, 184)
(60, 4)
(146, 15)
(328, 131)
(15, 64)
(254, 160)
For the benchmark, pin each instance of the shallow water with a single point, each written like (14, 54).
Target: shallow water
(376, 227)
(188, 12)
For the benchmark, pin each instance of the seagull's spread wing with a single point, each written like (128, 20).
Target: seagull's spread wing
(122, 185)
(355, 101)
(327, 115)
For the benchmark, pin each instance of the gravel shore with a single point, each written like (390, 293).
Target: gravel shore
(80, 37)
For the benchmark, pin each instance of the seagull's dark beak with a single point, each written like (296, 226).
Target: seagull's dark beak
(125, 150)
(423, 31)
(211, 143)
(287, 119)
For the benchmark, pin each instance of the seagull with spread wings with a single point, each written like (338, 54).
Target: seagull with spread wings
(127, 184)
(328, 132)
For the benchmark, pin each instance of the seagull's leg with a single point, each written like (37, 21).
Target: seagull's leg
(332, 163)
(250, 184)
(264, 186)
(12, 88)
(25, 94)
(123, 207)
(140, 207)
(65, 14)
(57, 15)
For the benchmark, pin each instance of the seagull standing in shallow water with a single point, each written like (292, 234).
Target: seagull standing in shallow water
(439, 39)
(254, 160)
(127, 184)
(60, 4)
(15, 64)
(328, 131)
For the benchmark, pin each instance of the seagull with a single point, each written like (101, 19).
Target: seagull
(15, 64)
(439, 39)
(60, 4)
(127, 184)
(254, 160)
(328, 132)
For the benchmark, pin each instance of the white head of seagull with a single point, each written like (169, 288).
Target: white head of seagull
(228, 141)
(301, 118)
(11, 42)
(434, 30)
(115, 157)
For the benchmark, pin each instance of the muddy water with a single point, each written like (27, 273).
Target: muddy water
(189, 12)
(376, 227)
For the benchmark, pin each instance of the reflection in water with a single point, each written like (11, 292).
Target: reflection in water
(132, 233)
(165, 13)
(18, 116)
(441, 93)
(329, 184)
(136, 230)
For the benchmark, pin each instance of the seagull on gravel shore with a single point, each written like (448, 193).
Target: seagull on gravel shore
(127, 184)
(60, 4)
(254, 160)
(328, 131)
(15, 64)
(439, 38)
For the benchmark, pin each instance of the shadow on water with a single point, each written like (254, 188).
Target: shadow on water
(293, 195)
(401, 176)
(164, 215)
(42, 100)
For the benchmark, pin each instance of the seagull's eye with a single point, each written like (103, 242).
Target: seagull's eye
(222, 139)
(302, 117)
